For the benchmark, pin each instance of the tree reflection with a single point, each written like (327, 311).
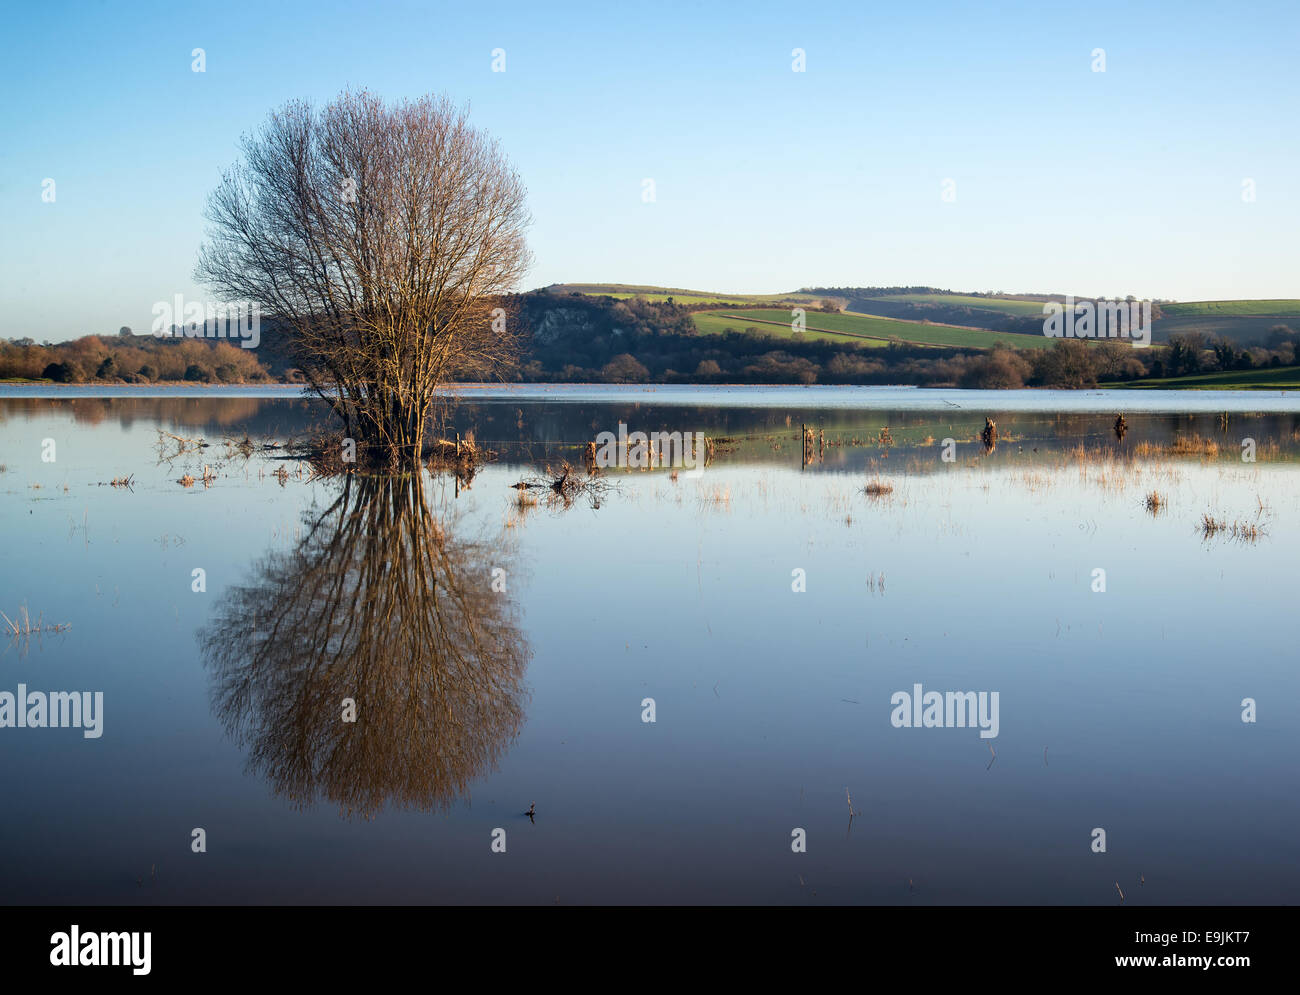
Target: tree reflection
(379, 603)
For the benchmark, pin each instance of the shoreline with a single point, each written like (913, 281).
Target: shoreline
(775, 396)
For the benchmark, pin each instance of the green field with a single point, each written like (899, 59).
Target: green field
(721, 322)
(622, 291)
(865, 329)
(1244, 329)
(1004, 305)
(1247, 322)
(1210, 308)
(1268, 378)
(1022, 307)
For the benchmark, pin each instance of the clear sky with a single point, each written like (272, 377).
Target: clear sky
(1116, 182)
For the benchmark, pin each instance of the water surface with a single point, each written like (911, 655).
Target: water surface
(499, 655)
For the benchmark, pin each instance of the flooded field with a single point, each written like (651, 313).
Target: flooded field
(708, 687)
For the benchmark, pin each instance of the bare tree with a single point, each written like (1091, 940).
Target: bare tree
(378, 236)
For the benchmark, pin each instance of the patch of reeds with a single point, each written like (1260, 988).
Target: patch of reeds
(717, 496)
(1238, 530)
(1194, 445)
(26, 627)
(1183, 445)
(461, 454)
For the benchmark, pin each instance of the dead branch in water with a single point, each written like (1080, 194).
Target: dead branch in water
(989, 436)
(564, 486)
(244, 447)
(171, 446)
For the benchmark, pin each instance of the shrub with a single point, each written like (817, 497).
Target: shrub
(1067, 364)
(65, 373)
(1001, 369)
(624, 368)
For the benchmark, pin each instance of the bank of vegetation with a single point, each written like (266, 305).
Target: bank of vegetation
(583, 338)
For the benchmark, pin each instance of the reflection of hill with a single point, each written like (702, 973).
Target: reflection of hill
(382, 604)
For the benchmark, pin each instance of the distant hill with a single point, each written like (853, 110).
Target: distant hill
(869, 330)
(1245, 322)
(996, 312)
(1233, 308)
(686, 298)
(864, 316)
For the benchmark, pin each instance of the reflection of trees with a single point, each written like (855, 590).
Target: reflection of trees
(380, 604)
(203, 413)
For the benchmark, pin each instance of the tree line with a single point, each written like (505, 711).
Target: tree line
(587, 339)
(133, 359)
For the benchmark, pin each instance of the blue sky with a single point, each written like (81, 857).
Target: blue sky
(1116, 182)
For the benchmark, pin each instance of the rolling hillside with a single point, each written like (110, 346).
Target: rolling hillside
(1268, 378)
(1179, 309)
(1019, 307)
(622, 291)
(862, 329)
(871, 316)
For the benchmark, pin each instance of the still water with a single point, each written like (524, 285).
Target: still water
(497, 653)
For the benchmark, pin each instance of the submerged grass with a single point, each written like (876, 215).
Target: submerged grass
(1238, 530)
(26, 627)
